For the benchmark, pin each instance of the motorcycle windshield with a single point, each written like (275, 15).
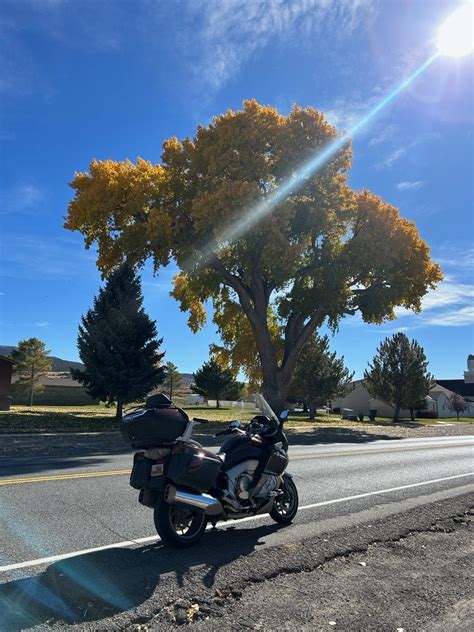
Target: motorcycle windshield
(264, 407)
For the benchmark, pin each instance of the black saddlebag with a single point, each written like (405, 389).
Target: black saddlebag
(147, 473)
(194, 467)
(150, 427)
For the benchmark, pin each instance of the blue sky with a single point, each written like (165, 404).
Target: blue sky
(84, 79)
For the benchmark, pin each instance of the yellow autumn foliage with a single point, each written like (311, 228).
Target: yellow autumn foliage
(324, 251)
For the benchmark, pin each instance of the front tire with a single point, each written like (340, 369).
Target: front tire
(179, 525)
(286, 503)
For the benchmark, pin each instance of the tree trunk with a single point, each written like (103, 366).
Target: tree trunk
(312, 411)
(119, 413)
(254, 300)
(396, 415)
(218, 404)
(412, 414)
(273, 390)
(32, 383)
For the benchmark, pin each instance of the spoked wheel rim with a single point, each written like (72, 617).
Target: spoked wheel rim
(184, 521)
(286, 501)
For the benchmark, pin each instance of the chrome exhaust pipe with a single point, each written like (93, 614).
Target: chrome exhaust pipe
(211, 506)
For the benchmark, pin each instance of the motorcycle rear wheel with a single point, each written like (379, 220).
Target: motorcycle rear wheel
(178, 525)
(285, 506)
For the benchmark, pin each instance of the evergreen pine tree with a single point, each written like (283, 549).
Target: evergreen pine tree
(212, 381)
(319, 375)
(399, 374)
(32, 362)
(173, 379)
(117, 343)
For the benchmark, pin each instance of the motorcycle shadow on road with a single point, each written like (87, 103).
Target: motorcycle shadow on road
(97, 585)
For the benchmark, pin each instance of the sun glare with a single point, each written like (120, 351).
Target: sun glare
(455, 35)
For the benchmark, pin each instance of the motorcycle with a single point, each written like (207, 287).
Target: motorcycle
(188, 486)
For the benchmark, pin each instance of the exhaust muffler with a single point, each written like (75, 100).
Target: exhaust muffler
(211, 506)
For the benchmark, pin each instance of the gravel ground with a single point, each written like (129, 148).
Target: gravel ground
(112, 443)
(420, 582)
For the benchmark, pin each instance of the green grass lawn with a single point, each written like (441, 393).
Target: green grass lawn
(102, 418)
(98, 418)
(465, 419)
(58, 419)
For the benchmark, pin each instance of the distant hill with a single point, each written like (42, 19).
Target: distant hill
(58, 364)
(188, 378)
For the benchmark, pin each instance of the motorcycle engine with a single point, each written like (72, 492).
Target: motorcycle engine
(242, 485)
(268, 483)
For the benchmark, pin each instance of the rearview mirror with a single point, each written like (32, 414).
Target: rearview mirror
(235, 424)
(284, 414)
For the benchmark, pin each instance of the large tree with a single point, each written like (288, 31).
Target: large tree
(319, 375)
(213, 381)
(173, 379)
(32, 363)
(277, 245)
(399, 374)
(117, 343)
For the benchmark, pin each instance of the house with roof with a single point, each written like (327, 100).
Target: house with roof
(443, 389)
(359, 401)
(59, 389)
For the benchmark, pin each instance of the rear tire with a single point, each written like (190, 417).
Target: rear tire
(285, 506)
(179, 525)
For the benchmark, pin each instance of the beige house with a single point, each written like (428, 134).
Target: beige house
(359, 401)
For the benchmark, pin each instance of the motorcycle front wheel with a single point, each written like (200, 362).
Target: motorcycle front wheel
(178, 525)
(286, 503)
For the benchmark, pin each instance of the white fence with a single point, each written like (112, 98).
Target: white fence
(212, 403)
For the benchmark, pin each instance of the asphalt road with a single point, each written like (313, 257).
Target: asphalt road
(54, 507)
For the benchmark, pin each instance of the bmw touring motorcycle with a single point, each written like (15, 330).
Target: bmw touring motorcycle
(188, 486)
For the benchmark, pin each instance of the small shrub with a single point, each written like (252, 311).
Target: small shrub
(426, 414)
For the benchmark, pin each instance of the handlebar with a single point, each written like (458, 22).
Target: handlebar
(201, 420)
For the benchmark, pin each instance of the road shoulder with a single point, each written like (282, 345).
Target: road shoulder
(217, 584)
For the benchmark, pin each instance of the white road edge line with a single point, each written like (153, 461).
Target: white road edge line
(155, 538)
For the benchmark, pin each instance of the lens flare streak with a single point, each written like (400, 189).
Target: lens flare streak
(308, 169)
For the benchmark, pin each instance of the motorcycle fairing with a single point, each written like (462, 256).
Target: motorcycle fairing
(240, 448)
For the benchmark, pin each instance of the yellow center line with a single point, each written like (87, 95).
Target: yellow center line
(299, 457)
(60, 477)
